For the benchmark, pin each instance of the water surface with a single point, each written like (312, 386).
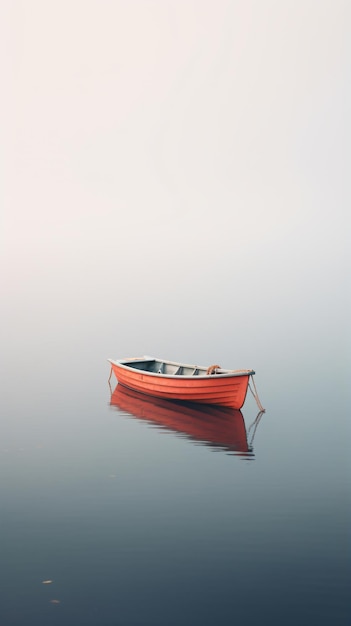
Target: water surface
(145, 512)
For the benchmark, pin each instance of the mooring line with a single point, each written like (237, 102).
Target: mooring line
(255, 395)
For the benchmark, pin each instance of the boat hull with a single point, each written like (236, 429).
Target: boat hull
(227, 390)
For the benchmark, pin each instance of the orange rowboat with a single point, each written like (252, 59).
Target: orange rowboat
(214, 426)
(190, 383)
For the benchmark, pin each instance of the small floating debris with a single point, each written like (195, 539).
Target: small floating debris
(47, 582)
(55, 601)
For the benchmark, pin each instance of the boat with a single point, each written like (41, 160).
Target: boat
(169, 380)
(220, 428)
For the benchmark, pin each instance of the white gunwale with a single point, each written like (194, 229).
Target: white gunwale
(223, 373)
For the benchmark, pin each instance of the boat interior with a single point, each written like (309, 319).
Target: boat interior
(169, 369)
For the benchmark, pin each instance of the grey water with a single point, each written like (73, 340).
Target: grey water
(137, 522)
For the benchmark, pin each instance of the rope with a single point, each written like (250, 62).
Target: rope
(253, 426)
(212, 369)
(109, 378)
(255, 395)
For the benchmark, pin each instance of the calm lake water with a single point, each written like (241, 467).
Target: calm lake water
(143, 513)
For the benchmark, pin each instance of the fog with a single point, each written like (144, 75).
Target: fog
(175, 182)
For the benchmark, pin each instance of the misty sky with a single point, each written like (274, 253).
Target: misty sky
(183, 159)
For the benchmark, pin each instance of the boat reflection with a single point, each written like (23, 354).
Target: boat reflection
(217, 427)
